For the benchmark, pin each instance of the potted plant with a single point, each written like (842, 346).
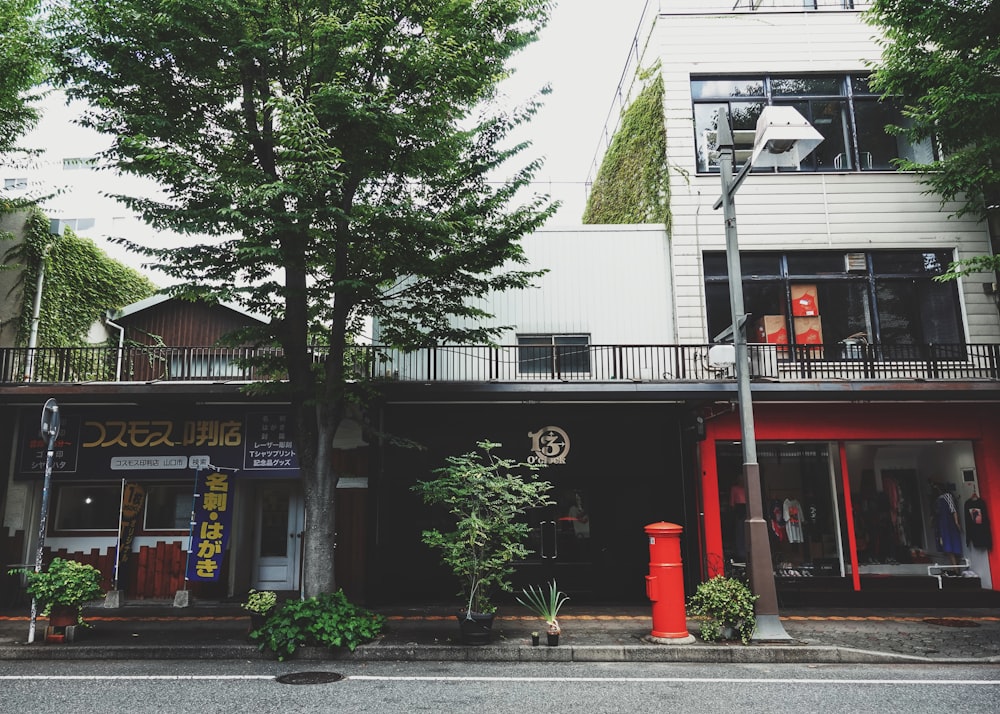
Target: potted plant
(546, 605)
(487, 498)
(725, 608)
(259, 604)
(62, 589)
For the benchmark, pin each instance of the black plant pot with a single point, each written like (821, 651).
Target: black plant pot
(553, 639)
(475, 627)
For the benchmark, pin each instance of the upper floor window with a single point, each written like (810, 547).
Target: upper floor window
(823, 297)
(843, 108)
(78, 163)
(553, 355)
(15, 183)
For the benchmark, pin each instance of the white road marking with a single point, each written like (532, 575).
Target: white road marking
(131, 677)
(407, 678)
(679, 680)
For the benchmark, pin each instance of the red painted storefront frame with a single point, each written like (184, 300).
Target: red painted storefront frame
(840, 423)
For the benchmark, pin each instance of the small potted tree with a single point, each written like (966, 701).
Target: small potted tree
(62, 589)
(486, 497)
(725, 608)
(546, 605)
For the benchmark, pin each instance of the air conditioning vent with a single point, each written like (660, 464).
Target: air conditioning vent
(856, 263)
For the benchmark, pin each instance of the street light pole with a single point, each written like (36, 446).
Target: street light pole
(760, 565)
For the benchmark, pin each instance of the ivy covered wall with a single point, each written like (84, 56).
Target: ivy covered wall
(81, 283)
(632, 185)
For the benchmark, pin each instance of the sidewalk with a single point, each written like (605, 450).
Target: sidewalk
(594, 634)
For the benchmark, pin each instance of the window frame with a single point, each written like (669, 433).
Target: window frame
(850, 94)
(553, 344)
(871, 281)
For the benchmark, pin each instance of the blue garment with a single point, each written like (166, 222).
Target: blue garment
(949, 538)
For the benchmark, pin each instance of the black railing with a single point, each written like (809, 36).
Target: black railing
(851, 361)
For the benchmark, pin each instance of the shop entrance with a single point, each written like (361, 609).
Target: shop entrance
(278, 530)
(561, 541)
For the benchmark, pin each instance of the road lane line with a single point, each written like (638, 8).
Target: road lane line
(127, 677)
(675, 680)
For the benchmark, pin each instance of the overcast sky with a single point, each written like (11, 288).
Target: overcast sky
(581, 54)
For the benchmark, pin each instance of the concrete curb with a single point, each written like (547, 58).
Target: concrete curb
(376, 652)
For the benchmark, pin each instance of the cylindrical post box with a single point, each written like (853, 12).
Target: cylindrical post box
(665, 582)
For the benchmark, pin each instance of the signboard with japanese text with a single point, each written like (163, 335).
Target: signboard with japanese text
(104, 442)
(34, 446)
(212, 521)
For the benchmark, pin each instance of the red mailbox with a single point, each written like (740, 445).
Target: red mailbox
(665, 582)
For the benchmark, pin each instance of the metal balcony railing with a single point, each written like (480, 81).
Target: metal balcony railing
(479, 363)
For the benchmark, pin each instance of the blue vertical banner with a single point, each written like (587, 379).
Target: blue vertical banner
(211, 521)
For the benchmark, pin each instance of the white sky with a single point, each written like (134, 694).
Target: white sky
(581, 54)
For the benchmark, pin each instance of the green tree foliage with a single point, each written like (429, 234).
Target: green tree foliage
(81, 283)
(335, 155)
(21, 69)
(943, 58)
(632, 185)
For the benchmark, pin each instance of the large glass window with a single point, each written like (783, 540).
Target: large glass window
(851, 118)
(96, 507)
(884, 297)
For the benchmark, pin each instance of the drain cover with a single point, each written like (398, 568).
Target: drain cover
(950, 622)
(310, 678)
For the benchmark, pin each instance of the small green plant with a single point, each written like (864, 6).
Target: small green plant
(327, 620)
(64, 582)
(722, 603)
(487, 499)
(260, 601)
(545, 605)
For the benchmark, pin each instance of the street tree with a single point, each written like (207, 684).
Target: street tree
(21, 69)
(331, 162)
(943, 58)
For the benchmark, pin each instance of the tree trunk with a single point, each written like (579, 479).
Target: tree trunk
(319, 486)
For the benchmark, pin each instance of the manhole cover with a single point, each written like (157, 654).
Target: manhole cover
(950, 622)
(310, 678)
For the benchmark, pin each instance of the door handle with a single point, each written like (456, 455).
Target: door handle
(548, 553)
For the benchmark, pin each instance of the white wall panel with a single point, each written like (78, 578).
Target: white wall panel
(609, 282)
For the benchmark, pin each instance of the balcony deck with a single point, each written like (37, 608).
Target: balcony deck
(701, 363)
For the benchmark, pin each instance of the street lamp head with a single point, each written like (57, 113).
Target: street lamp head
(784, 138)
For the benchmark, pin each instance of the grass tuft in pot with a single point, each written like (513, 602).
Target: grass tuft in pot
(545, 604)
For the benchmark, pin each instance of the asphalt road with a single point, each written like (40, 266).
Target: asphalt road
(238, 687)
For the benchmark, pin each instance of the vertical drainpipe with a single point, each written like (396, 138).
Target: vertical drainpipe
(36, 310)
(121, 344)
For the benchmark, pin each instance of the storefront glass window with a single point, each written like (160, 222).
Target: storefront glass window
(92, 507)
(168, 508)
(800, 499)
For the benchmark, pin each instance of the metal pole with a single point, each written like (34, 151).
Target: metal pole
(759, 563)
(49, 431)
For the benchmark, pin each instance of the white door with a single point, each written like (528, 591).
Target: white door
(277, 537)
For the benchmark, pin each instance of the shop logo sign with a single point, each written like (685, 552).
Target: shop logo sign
(549, 445)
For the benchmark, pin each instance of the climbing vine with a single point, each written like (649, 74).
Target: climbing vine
(80, 285)
(632, 185)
